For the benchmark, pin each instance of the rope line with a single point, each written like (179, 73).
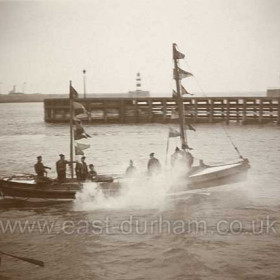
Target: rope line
(223, 126)
(236, 149)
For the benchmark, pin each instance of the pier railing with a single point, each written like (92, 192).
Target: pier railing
(163, 110)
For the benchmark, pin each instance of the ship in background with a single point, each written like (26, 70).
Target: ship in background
(273, 92)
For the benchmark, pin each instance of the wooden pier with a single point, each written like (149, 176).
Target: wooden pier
(163, 110)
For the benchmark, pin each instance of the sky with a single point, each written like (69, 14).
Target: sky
(230, 45)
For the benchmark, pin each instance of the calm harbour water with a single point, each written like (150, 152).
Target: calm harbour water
(144, 233)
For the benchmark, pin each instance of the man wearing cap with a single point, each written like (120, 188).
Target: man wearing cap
(81, 169)
(92, 174)
(39, 167)
(154, 166)
(61, 168)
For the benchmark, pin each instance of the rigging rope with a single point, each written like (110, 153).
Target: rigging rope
(223, 126)
(236, 149)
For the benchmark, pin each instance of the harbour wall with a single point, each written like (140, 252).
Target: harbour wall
(163, 110)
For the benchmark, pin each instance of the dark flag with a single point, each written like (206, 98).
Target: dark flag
(186, 146)
(79, 132)
(177, 54)
(174, 94)
(181, 74)
(73, 93)
(190, 127)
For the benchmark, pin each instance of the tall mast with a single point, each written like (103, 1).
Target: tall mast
(84, 79)
(71, 129)
(179, 100)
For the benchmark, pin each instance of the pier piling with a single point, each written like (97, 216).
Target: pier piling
(162, 109)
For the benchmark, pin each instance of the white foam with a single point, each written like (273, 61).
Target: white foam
(141, 192)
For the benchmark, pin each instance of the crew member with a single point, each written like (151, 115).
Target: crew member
(82, 170)
(78, 169)
(188, 157)
(154, 166)
(175, 156)
(131, 170)
(40, 168)
(61, 168)
(92, 174)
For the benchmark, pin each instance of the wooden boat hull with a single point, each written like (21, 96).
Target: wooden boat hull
(199, 177)
(211, 176)
(29, 189)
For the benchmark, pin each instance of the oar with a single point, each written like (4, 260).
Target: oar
(36, 262)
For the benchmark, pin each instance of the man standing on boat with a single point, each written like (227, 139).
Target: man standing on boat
(92, 174)
(188, 157)
(40, 168)
(154, 166)
(131, 170)
(78, 168)
(82, 169)
(175, 156)
(61, 168)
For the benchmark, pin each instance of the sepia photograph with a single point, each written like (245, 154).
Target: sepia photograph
(140, 139)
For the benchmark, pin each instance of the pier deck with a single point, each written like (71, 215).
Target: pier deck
(163, 110)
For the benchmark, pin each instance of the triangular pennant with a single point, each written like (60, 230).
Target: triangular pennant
(190, 127)
(181, 74)
(186, 146)
(79, 132)
(184, 91)
(184, 74)
(73, 93)
(83, 146)
(78, 151)
(84, 115)
(79, 106)
(174, 94)
(173, 132)
(177, 54)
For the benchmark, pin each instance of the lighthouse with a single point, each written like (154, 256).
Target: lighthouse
(139, 92)
(138, 82)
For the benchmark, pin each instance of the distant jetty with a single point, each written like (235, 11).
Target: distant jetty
(19, 97)
(163, 110)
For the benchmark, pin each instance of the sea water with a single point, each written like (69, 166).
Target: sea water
(150, 230)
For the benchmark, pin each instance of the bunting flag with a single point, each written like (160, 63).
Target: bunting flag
(184, 91)
(78, 151)
(186, 146)
(174, 115)
(73, 93)
(181, 73)
(173, 132)
(85, 115)
(177, 54)
(79, 106)
(83, 146)
(190, 127)
(79, 132)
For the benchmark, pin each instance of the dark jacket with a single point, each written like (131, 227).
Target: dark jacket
(39, 169)
(61, 165)
(154, 166)
(81, 170)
